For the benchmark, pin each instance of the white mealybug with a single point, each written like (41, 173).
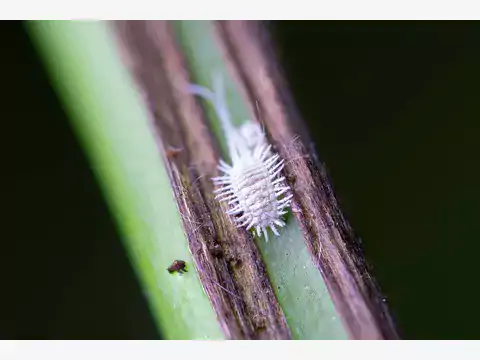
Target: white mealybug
(252, 185)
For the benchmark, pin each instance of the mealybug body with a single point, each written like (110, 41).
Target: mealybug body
(252, 185)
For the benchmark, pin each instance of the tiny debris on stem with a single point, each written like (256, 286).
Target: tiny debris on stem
(179, 266)
(172, 152)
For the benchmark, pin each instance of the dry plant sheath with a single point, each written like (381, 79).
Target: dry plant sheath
(228, 261)
(335, 250)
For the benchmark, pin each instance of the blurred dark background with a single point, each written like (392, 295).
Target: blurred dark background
(394, 108)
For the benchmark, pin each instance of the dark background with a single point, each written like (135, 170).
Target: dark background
(394, 109)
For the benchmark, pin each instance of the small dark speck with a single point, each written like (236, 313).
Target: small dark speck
(234, 262)
(216, 250)
(177, 266)
(172, 152)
